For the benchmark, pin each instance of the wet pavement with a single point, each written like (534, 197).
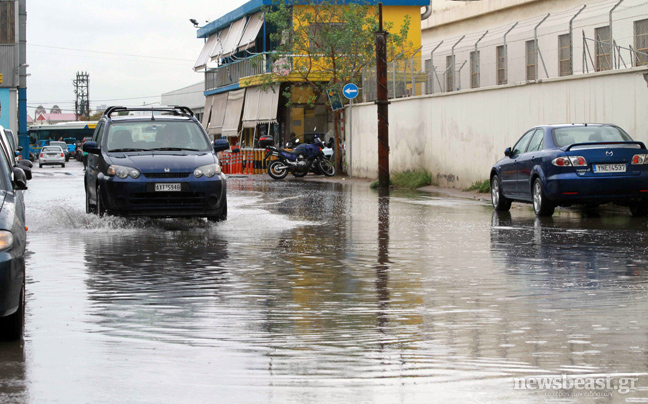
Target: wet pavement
(325, 293)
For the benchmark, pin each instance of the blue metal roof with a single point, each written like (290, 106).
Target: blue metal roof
(253, 6)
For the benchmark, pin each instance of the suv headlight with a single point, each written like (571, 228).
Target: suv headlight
(123, 172)
(208, 171)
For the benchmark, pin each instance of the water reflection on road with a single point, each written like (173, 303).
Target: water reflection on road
(319, 292)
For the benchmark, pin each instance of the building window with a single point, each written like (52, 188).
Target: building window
(7, 22)
(474, 69)
(531, 60)
(564, 54)
(603, 54)
(501, 65)
(450, 73)
(641, 41)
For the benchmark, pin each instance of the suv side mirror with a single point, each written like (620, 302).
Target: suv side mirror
(26, 163)
(91, 147)
(27, 171)
(221, 144)
(19, 179)
(508, 152)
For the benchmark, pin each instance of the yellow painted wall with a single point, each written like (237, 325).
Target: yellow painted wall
(396, 15)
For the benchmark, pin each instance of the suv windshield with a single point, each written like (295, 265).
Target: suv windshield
(153, 135)
(588, 134)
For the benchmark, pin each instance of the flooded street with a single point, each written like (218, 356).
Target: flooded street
(325, 293)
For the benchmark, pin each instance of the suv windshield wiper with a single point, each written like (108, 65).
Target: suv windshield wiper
(174, 149)
(126, 149)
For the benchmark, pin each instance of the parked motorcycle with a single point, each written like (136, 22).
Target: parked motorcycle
(299, 162)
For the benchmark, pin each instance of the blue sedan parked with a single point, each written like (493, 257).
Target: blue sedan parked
(563, 165)
(160, 164)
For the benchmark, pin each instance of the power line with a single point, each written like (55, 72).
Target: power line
(119, 99)
(110, 53)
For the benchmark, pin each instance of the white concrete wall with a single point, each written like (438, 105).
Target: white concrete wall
(459, 136)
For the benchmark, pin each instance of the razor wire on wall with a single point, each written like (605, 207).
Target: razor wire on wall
(592, 37)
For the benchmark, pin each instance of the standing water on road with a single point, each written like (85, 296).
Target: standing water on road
(326, 293)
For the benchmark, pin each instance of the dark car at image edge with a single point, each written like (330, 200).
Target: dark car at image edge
(157, 164)
(572, 164)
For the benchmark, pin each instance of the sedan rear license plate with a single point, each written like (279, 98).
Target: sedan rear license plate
(609, 168)
(175, 187)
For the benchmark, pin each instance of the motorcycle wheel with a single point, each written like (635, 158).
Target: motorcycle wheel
(327, 167)
(275, 172)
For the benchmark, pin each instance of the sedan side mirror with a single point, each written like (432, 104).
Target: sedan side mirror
(508, 152)
(91, 147)
(221, 144)
(19, 179)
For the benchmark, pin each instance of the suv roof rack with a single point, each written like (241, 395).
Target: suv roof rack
(175, 109)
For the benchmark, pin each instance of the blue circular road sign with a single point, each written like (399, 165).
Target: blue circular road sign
(350, 91)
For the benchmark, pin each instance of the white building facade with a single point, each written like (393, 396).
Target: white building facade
(494, 41)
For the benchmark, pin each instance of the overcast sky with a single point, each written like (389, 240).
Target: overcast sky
(102, 33)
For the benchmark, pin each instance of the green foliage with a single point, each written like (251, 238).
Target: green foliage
(483, 187)
(327, 44)
(408, 180)
(412, 179)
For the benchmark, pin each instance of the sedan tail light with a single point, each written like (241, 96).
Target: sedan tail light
(62, 155)
(638, 159)
(571, 161)
(41, 155)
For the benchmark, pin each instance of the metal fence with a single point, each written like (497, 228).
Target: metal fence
(614, 36)
(231, 73)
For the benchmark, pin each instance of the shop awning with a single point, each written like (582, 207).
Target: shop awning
(207, 111)
(201, 63)
(217, 49)
(234, 37)
(233, 114)
(260, 106)
(218, 107)
(251, 31)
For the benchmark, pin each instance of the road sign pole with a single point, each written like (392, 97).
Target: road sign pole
(349, 139)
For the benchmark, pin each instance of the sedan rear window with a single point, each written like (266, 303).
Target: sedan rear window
(52, 149)
(589, 134)
(151, 135)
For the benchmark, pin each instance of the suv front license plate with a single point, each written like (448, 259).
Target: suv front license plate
(172, 187)
(609, 168)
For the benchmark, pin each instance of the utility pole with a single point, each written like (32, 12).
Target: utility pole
(383, 104)
(23, 138)
(81, 89)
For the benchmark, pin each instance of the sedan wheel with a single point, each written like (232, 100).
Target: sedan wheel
(541, 205)
(639, 210)
(500, 202)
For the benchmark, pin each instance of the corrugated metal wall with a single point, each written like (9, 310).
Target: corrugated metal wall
(8, 65)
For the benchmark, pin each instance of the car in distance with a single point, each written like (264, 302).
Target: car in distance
(564, 165)
(159, 164)
(63, 146)
(51, 155)
(12, 250)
